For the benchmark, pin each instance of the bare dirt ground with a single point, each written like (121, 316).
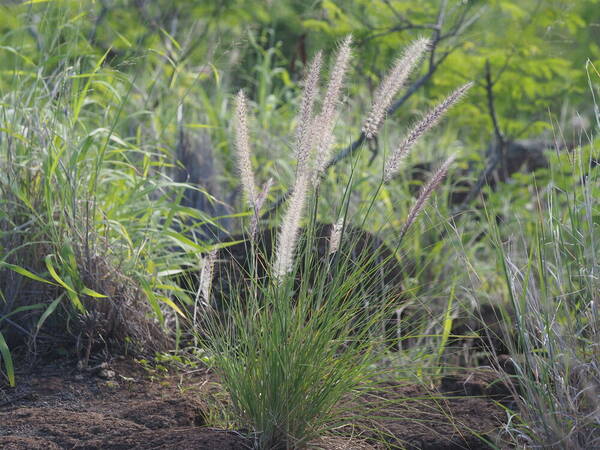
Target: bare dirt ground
(121, 406)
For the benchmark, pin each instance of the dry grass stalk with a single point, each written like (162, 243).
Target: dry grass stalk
(392, 165)
(391, 84)
(242, 143)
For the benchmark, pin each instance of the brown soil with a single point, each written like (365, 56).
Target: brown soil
(120, 406)
(412, 417)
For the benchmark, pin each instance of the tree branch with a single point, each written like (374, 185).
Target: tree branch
(489, 87)
(498, 155)
(500, 144)
(483, 177)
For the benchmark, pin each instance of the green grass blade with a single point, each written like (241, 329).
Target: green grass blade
(8, 362)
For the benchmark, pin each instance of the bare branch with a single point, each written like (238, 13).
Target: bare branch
(497, 156)
(489, 87)
(483, 177)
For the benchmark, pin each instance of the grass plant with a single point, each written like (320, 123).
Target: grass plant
(550, 267)
(95, 238)
(290, 347)
(551, 277)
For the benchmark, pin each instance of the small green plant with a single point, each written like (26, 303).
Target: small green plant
(306, 335)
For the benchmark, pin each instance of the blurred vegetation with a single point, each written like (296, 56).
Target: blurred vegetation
(100, 99)
(537, 49)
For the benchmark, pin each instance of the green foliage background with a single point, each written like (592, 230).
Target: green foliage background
(537, 48)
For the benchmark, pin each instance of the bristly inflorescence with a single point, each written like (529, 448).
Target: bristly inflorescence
(242, 143)
(206, 275)
(206, 278)
(425, 193)
(325, 121)
(314, 139)
(304, 127)
(392, 165)
(290, 228)
(320, 142)
(260, 201)
(391, 84)
(335, 237)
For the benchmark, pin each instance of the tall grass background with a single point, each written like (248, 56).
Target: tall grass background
(91, 216)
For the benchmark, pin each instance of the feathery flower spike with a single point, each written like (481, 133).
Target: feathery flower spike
(425, 193)
(391, 84)
(260, 201)
(392, 165)
(336, 236)
(242, 144)
(325, 121)
(206, 275)
(322, 137)
(304, 126)
(290, 227)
